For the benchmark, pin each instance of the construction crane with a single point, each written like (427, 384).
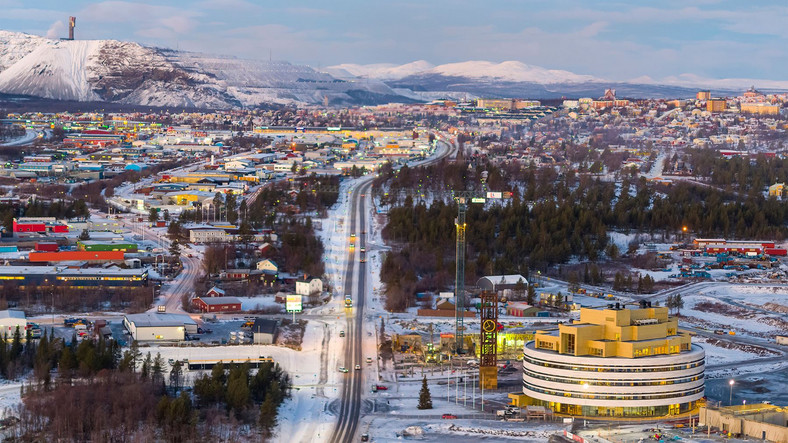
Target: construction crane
(463, 198)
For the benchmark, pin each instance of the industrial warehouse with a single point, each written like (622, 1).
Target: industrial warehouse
(159, 326)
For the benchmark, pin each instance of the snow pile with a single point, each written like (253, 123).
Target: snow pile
(413, 431)
(542, 435)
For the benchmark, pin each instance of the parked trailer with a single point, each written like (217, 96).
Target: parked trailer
(781, 252)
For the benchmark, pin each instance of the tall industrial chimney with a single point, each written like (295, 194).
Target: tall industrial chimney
(72, 21)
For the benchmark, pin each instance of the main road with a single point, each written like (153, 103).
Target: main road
(353, 387)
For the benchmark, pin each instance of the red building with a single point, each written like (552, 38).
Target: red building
(98, 256)
(217, 304)
(42, 224)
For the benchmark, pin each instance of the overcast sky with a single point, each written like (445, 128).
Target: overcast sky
(608, 39)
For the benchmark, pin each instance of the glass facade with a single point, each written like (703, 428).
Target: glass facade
(604, 411)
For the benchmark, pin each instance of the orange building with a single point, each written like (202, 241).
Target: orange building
(703, 95)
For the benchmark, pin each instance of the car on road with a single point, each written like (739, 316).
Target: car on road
(341, 333)
(449, 416)
(343, 369)
(358, 367)
(369, 360)
(364, 437)
(363, 249)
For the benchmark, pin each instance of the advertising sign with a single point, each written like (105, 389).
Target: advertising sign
(293, 303)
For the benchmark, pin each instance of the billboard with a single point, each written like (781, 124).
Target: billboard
(494, 195)
(293, 303)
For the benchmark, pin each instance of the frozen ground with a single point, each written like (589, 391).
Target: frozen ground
(753, 310)
(645, 432)
(723, 352)
(383, 429)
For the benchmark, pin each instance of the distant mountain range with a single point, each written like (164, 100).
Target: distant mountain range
(112, 71)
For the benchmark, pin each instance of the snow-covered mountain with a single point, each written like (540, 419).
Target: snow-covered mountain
(129, 73)
(513, 71)
(380, 71)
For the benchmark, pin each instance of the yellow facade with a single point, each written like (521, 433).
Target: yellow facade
(777, 190)
(627, 333)
(716, 105)
(760, 108)
(184, 199)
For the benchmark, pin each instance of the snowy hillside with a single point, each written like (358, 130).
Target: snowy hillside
(129, 73)
(54, 69)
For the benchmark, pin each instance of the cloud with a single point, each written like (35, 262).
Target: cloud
(228, 5)
(176, 20)
(58, 29)
(309, 11)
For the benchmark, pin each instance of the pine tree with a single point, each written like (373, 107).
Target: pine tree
(175, 249)
(175, 374)
(425, 399)
(530, 298)
(267, 418)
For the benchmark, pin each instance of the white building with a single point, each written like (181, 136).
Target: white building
(159, 326)
(10, 319)
(309, 285)
(268, 266)
(208, 236)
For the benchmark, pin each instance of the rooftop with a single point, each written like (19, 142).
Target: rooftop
(148, 319)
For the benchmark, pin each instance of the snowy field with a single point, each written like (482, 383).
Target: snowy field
(724, 352)
(759, 311)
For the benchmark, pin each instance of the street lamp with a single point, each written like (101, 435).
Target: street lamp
(730, 399)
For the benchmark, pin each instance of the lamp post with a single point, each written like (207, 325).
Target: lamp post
(730, 399)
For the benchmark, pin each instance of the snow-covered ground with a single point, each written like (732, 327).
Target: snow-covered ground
(723, 352)
(755, 310)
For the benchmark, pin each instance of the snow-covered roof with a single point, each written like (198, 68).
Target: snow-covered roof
(149, 319)
(494, 281)
(12, 313)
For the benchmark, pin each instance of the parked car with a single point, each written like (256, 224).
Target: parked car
(449, 416)
(343, 369)
(381, 388)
